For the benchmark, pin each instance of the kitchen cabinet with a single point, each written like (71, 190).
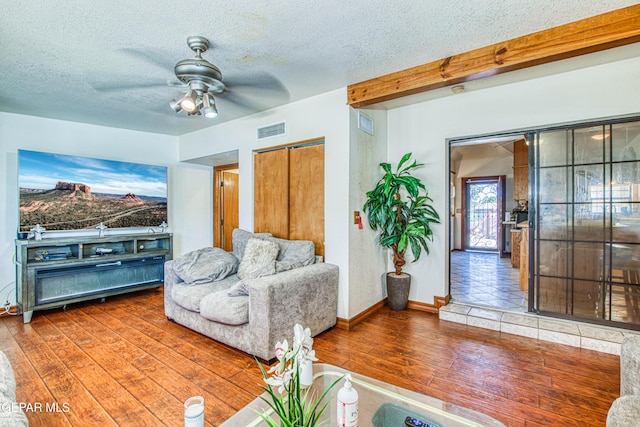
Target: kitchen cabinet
(520, 170)
(515, 247)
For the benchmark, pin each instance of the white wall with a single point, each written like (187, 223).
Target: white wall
(324, 116)
(187, 201)
(596, 92)
(367, 259)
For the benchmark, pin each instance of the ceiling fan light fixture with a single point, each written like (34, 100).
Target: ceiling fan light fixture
(202, 77)
(209, 106)
(189, 102)
(175, 105)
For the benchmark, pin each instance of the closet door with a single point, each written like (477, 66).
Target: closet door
(271, 193)
(306, 195)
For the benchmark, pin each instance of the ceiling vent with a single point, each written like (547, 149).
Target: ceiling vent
(272, 131)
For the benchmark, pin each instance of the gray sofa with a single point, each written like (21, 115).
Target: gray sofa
(256, 302)
(625, 410)
(10, 413)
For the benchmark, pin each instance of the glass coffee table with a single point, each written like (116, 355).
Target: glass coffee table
(380, 405)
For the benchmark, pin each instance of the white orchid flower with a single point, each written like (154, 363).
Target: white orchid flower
(280, 380)
(289, 359)
(303, 343)
(281, 349)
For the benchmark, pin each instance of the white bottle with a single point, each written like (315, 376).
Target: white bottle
(347, 405)
(194, 412)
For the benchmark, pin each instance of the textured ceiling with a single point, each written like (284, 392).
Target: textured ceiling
(108, 62)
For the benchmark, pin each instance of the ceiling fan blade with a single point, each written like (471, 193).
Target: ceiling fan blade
(260, 81)
(253, 93)
(176, 83)
(114, 87)
(239, 102)
(150, 55)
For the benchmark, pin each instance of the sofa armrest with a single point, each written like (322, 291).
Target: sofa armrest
(11, 413)
(306, 295)
(624, 412)
(170, 276)
(170, 279)
(630, 366)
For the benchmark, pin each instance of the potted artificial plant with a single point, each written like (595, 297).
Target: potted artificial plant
(399, 207)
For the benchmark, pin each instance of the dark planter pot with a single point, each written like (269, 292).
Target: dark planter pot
(398, 290)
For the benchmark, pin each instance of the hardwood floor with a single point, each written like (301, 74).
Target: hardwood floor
(122, 363)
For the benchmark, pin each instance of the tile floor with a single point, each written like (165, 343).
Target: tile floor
(485, 293)
(485, 279)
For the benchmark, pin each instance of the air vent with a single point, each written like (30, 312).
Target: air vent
(365, 123)
(272, 131)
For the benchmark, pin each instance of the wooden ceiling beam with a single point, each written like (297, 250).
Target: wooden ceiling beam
(613, 29)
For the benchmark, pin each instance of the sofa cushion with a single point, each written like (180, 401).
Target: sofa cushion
(205, 265)
(189, 297)
(258, 259)
(239, 239)
(293, 253)
(220, 307)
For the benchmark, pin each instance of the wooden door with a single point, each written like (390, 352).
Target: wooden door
(225, 205)
(306, 195)
(229, 208)
(271, 193)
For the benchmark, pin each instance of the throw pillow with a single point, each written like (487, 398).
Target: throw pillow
(258, 259)
(296, 252)
(240, 289)
(240, 238)
(205, 265)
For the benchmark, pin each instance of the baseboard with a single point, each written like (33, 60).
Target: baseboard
(422, 306)
(429, 308)
(348, 324)
(441, 301)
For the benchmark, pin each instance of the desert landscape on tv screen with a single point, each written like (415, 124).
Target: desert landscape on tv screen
(62, 192)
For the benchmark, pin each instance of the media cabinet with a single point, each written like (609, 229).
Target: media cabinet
(54, 272)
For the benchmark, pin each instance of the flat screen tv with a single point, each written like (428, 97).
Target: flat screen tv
(63, 192)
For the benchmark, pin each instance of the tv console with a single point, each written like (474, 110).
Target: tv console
(54, 272)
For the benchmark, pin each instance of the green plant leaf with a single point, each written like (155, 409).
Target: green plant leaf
(403, 160)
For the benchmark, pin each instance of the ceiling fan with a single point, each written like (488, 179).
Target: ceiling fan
(203, 79)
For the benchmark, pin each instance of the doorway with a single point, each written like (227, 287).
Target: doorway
(482, 194)
(483, 208)
(225, 218)
(578, 187)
